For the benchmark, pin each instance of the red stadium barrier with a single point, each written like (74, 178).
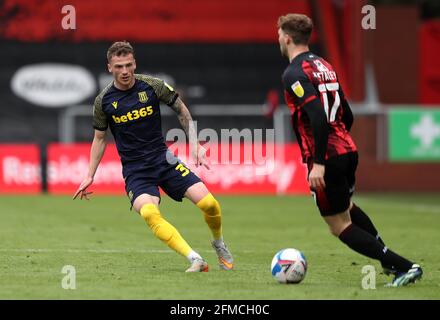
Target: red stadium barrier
(148, 21)
(429, 70)
(67, 165)
(282, 173)
(20, 169)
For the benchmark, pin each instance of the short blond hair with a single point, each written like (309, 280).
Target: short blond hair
(119, 48)
(297, 26)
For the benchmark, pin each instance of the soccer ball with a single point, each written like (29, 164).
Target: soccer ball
(289, 266)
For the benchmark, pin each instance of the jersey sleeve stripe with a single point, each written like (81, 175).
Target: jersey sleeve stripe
(311, 98)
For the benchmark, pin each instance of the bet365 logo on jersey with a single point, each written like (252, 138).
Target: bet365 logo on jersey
(134, 115)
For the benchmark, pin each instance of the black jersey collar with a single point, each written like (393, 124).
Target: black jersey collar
(298, 57)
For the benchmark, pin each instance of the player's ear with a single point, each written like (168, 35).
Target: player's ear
(134, 64)
(109, 67)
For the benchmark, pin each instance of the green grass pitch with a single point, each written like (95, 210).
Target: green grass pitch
(116, 256)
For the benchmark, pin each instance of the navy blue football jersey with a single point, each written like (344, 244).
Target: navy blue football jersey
(133, 116)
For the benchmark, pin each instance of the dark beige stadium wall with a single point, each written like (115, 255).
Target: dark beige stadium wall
(398, 177)
(393, 49)
(376, 173)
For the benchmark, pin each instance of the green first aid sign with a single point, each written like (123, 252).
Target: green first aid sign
(414, 134)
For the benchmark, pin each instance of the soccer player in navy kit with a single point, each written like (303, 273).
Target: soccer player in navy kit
(129, 106)
(321, 119)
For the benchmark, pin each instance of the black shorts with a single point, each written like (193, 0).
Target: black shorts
(165, 171)
(339, 177)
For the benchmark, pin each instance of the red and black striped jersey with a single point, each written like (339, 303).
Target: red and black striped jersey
(309, 77)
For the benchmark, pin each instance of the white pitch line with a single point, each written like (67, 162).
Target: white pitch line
(45, 250)
(36, 250)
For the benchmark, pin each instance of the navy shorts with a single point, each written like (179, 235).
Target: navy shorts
(163, 170)
(340, 179)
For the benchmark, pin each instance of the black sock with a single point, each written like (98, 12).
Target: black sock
(363, 221)
(364, 243)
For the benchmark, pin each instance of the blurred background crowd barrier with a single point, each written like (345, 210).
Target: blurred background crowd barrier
(224, 60)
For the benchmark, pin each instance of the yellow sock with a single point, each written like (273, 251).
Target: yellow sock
(163, 230)
(213, 215)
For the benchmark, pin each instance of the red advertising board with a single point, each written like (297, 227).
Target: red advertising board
(20, 170)
(235, 169)
(251, 169)
(68, 164)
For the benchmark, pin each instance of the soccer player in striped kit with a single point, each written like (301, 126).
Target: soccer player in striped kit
(321, 119)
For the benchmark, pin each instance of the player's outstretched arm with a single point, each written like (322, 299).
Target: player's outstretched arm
(96, 152)
(186, 121)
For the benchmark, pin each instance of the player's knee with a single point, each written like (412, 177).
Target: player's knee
(334, 231)
(352, 206)
(209, 205)
(150, 213)
(337, 229)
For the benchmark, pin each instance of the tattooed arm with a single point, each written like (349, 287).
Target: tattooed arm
(185, 120)
(187, 123)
